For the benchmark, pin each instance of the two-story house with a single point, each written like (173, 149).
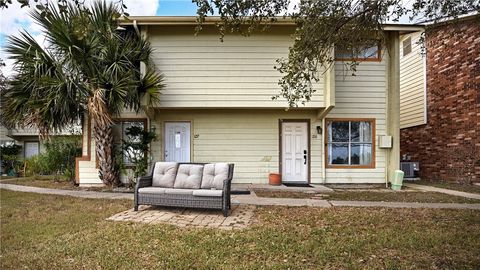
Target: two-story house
(217, 107)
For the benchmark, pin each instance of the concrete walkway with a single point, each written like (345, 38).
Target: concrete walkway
(65, 192)
(445, 191)
(248, 199)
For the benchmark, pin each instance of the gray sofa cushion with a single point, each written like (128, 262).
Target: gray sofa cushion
(179, 191)
(189, 176)
(208, 193)
(214, 174)
(164, 174)
(152, 190)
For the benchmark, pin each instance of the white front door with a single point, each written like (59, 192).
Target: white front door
(177, 141)
(31, 149)
(295, 152)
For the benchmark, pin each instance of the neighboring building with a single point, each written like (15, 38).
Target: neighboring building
(28, 138)
(217, 107)
(440, 115)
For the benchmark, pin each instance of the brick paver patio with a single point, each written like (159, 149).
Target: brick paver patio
(241, 216)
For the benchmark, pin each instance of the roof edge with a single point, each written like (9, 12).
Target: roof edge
(192, 20)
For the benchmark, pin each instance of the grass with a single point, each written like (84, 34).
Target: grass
(385, 196)
(43, 231)
(449, 185)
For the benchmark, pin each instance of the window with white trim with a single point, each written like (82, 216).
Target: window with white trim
(350, 143)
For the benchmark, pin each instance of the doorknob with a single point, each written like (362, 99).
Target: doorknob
(304, 159)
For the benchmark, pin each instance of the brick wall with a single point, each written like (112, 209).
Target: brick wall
(452, 133)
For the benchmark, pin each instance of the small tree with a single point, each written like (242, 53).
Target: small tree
(136, 149)
(9, 157)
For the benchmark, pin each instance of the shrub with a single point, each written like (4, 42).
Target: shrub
(58, 158)
(60, 153)
(11, 163)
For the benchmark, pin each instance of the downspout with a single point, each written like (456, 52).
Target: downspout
(322, 115)
(135, 26)
(329, 96)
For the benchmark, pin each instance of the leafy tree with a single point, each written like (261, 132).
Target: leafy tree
(320, 26)
(88, 67)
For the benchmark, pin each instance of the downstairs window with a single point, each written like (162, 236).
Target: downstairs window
(350, 143)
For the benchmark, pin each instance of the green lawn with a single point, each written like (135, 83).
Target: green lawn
(54, 232)
(385, 196)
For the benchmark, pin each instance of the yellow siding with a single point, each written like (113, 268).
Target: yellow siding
(412, 85)
(200, 71)
(247, 138)
(361, 96)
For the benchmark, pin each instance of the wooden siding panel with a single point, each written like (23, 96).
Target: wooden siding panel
(361, 96)
(203, 72)
(412, 85)
(247, 138)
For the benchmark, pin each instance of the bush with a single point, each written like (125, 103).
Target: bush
(11, 163)
(58, 158)
(38, 165)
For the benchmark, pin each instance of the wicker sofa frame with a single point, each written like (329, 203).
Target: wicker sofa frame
(182, 200)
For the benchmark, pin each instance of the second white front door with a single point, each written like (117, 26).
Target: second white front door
(177, 141)
(295, 152)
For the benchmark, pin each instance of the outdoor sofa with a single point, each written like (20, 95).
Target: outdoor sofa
(192, 185)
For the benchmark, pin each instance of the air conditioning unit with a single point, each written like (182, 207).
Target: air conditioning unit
(410, 169)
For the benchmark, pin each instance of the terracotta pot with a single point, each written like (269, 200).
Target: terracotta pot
(275, 179)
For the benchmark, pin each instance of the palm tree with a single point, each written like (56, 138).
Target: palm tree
(88, 67)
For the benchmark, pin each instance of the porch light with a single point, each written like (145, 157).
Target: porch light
(319, 130)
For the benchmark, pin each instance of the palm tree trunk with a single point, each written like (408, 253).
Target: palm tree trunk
(105, 154)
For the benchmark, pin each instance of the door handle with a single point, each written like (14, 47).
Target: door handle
(304, 159)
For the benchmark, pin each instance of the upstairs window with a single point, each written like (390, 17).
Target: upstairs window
(407, 46)
(350, 143)
(371, 53)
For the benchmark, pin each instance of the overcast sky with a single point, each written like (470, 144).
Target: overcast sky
(14, 18)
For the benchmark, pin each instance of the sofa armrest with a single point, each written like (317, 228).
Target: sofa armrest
(143, 181)
(227, 184)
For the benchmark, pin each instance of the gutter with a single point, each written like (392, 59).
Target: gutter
(213, 20)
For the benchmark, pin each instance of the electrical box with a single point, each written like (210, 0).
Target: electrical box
(385, 141)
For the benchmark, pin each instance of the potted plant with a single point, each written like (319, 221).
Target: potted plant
(275, 179)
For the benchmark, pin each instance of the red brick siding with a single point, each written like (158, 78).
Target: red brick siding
(453, 102)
